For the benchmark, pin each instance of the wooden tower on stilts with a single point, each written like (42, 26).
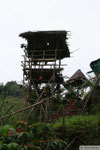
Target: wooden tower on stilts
(42, 68)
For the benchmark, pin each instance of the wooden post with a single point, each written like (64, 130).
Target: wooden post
(63, 117)
(40, 117)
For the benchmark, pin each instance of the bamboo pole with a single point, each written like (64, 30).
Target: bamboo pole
(26, 108)
(90, 94)
(73, 140)
(29, 107)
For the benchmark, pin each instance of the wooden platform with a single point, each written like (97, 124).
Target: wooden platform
(44, 75)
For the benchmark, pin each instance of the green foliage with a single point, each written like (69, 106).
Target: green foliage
(12, 146)
(51, 136)
(9, 105)
(2, 88)
(45, 136)
(29, 137)
(3, 103)
(5, 130)
(4, 140)
(85, 127)
(11, 88)
(81, 122)
(71, 94)
(56, 145)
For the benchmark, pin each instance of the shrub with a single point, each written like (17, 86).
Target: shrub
(84, 128)
(29, 137)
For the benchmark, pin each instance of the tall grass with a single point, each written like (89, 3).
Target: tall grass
(79, 121)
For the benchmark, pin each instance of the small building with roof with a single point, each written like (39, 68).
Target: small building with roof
(77, 79)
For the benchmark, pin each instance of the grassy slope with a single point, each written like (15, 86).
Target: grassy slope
(85, 128)
(15, 101)
(12, 104)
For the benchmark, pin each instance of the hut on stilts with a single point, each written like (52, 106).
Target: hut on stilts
(42, 66)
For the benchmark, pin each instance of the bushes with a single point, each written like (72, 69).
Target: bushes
(85, 128)
(11, 88)
(5, 142)
(29, 137)
(43, 136)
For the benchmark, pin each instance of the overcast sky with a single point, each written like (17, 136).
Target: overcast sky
(80, 17)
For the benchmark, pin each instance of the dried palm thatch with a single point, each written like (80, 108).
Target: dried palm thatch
(77, 79)
(47, 41)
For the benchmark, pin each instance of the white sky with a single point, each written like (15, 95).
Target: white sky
(81, 17)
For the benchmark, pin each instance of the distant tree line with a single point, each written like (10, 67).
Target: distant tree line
(11, 88)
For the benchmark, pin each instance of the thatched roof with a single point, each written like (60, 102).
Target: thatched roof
(29, 34)
(47, 40)
(77, 75)
(77, 79)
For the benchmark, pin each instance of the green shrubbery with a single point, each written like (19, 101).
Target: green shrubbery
(85, 128)
(23, 136)
(29, 137)
(11, 88)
